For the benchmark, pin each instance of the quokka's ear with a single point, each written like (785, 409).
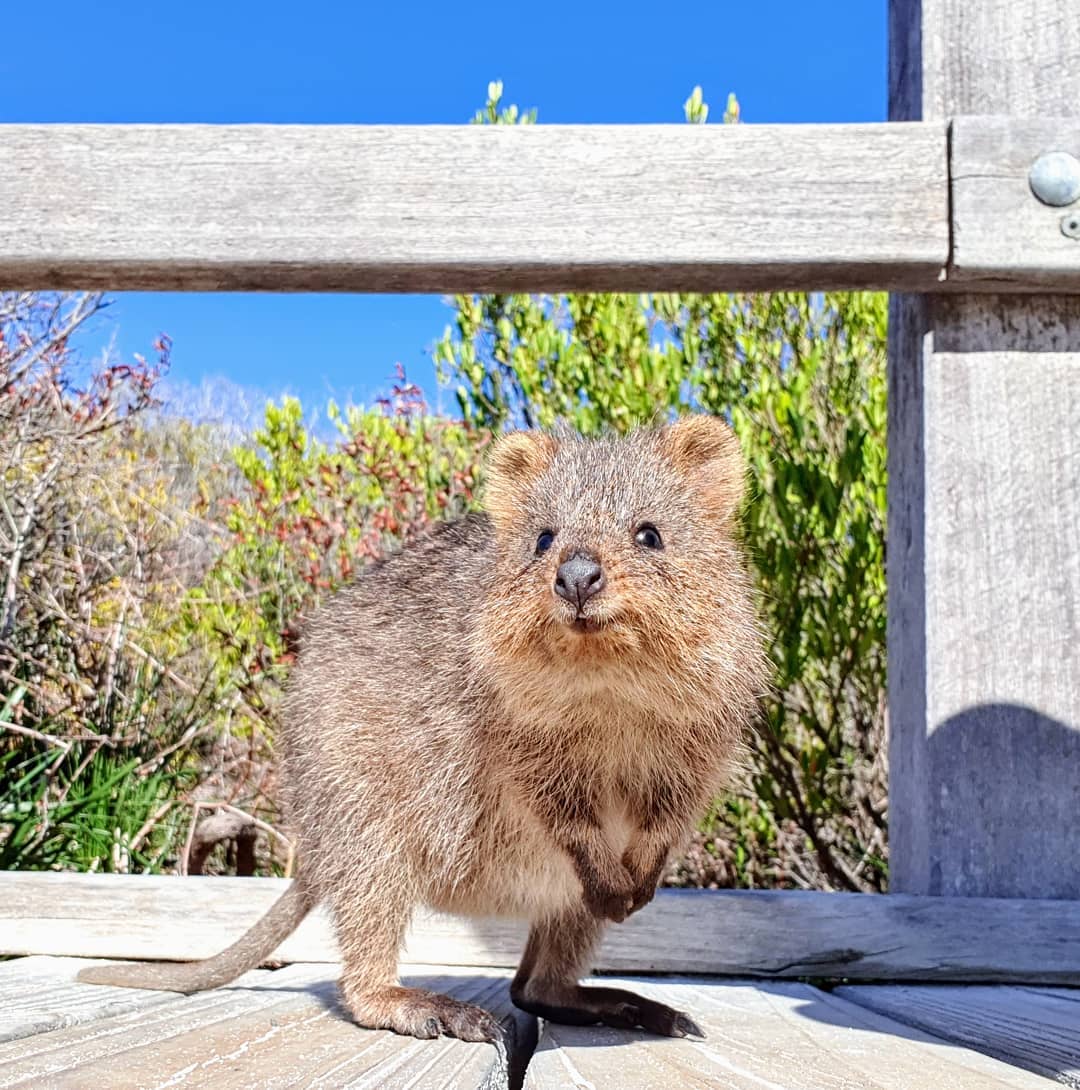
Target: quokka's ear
(707, 452)
(514, 464)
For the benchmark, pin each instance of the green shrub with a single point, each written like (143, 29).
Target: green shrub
(307, 515)
(95, 727)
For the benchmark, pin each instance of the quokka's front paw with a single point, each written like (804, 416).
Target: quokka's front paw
(646, 879)
(642, 896)
(611, 900)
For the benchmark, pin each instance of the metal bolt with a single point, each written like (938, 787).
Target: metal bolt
(1055, 178)
(1070, 225)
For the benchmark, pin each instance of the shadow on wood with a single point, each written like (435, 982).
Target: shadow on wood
(1034, 1028)
(1002, 798)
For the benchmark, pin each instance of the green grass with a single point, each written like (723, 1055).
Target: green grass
(81, 810)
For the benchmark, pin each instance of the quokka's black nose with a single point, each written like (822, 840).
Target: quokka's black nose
(578, 579)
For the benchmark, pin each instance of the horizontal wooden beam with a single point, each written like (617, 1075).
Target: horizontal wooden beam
(473, 208)
(747, 933)
(1004, 238)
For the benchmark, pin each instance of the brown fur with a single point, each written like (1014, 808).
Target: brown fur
(459, 736)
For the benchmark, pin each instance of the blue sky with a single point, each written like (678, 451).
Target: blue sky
(593, 61)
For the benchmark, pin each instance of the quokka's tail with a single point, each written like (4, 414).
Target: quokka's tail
(249, 951)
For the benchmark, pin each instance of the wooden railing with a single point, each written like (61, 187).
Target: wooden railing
(474, 208)
(984, 519)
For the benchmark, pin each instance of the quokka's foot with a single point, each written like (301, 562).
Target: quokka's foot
(415, 1012)
(616, 1007)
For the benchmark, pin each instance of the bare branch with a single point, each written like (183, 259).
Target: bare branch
(38, 736)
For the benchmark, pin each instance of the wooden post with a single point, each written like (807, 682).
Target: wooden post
(984, 507)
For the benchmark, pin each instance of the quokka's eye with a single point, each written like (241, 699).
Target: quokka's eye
(544, 542)
(648, 536)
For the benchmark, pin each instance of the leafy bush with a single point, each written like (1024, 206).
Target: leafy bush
(306, 516)
(93, 722)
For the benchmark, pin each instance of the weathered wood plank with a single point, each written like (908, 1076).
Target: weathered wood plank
(48, 1058)
(1037, 1029)
(471, 208)
(1003, 237)
(985, 495)
(270, 1029)
(985, 578)
(984, 509)
(778, 1036)
(166, 918)
(759, 933)
(949, 57)
(1065, 995)
(40, 994)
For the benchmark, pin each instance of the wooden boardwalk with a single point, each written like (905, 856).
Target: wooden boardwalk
(283, 1028)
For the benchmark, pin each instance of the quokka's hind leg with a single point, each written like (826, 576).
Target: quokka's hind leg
(546, 984)
(371, 920)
